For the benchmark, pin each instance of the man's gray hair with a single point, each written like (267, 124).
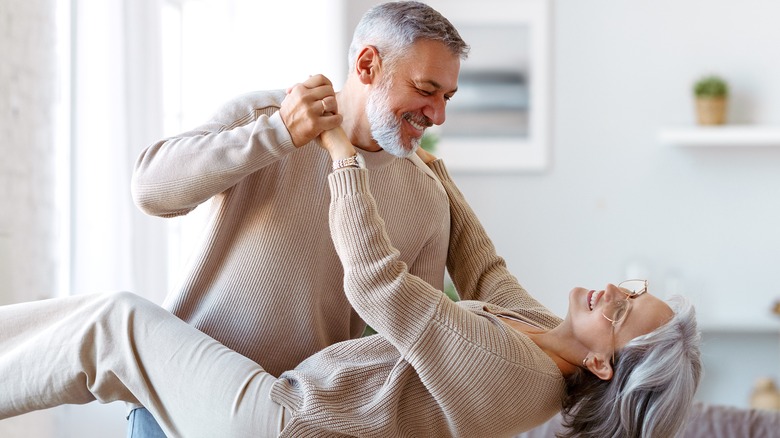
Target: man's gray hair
(394, 26)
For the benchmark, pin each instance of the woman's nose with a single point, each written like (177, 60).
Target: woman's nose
(612, 291)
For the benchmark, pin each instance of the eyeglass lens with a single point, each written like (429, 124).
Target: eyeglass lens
(619, 311)
(633, 286)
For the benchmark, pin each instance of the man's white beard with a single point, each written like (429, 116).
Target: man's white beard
(385, 127)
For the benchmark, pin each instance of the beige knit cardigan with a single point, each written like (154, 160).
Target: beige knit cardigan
(437, 368)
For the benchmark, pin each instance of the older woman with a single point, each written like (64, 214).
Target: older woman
(622, 362)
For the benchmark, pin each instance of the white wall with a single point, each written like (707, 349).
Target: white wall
(703, 222)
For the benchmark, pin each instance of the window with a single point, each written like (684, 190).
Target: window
(215, 50)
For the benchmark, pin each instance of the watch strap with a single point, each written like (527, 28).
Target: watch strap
(346, 162)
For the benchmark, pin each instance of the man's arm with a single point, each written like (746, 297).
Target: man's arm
(175, 175)
(477, 271)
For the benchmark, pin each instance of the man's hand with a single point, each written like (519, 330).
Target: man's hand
(310, 108)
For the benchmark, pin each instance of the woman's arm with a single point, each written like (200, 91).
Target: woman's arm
(377, 283)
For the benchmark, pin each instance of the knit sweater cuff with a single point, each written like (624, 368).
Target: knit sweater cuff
(349, 181)
(282, 136)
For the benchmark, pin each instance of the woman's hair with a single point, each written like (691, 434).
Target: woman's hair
(394, 26)
(652, 388)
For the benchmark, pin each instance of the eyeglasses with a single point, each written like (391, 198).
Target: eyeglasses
(618, 310)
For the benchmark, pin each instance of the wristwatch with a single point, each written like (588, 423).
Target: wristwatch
(353, 161)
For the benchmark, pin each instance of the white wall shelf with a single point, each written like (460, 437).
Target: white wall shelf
(721, 136)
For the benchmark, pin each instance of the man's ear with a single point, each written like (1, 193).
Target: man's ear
(600, 366)
(368, 64)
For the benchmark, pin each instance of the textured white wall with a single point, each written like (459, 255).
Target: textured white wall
(28, 88)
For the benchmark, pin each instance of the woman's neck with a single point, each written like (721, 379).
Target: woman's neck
(546, 340)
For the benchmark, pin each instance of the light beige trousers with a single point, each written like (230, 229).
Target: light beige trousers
(121, 347)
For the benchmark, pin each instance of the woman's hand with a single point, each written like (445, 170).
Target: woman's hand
(425, 156)
(337, 144)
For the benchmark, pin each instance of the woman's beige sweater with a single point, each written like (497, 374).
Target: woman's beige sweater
(437, 368)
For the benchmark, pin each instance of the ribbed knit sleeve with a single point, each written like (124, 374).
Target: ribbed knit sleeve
(378, 285)
(175, 175)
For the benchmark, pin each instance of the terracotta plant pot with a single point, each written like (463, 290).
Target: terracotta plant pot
(711, 110)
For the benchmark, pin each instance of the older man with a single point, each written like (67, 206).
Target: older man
(266, 280)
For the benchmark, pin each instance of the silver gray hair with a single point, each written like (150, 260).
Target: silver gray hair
(652, 389)
(394, 26)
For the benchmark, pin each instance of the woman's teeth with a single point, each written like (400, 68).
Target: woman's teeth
(594, 296)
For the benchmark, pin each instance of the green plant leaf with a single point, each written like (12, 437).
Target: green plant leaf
(428, 142)
(711, 86)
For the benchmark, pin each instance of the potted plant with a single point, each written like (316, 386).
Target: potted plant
(428, 142)
(711, 94)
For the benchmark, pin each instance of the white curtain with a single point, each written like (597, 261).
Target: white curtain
(218, 49)
(117, 111)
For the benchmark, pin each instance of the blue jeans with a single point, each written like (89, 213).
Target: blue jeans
(141, 424)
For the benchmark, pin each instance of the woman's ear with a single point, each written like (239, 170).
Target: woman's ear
(368, 64)
(600, 366)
